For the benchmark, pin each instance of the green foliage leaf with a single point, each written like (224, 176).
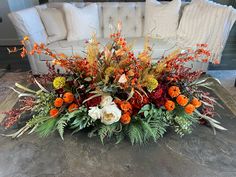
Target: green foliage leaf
(44, 103)
(152, 125)
(108, 130)
(63, 121)
(82, 120)
(47, 127)
(136, 134)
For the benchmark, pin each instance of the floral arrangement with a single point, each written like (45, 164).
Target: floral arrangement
(113, 93)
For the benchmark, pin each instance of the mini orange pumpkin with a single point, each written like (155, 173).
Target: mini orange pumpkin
(182, 100)
(196, 102)
(189, 109)
(73, 107)
(169, 105)
(125, 118)
(68, 97)
(54, 113)
(174, 91)
(126, 106)
(58, 102)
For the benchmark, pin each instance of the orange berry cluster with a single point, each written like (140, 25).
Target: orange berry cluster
(182, 100)
(68, 98)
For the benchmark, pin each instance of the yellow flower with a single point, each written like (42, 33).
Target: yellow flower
(151, 83)
(26, 38)
(59, 82)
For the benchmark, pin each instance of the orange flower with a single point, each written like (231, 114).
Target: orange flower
(169, 105)
(174, 91)
(189, 109)
(182, 100)
(68, 97)
(58, 102)
(54, 113)
(126, 106)
(73, 107)
(196, 102)
(125, 118)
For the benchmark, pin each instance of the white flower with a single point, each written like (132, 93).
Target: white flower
(106, 100)
(95, 113)
(122, 79)
(110, 114)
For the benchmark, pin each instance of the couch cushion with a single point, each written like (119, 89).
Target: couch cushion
(81, 22)
(160, 47)
(53, 20)
(28, 23)
(161, 20)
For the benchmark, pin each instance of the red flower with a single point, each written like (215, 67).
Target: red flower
(94, 101)
(157, 96)
(138, 101)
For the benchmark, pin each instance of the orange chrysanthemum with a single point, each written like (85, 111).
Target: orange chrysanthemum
(182, 100)
(169, 105)
(126, 106)
(73, 107)
(196, 102)
(58, 102)
(125, 118)
(174, 91)
(54, 112)
(68, 97)
(189, 109)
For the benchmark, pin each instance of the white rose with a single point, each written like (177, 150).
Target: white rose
(106, 100)
(95, 113)
(110, 114)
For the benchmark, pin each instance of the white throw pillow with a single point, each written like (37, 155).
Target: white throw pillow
(205, 21)
(28, 23)
(81, 22)
(161, 20)
(53, 20)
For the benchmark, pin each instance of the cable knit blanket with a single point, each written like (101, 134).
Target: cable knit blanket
(207, 22)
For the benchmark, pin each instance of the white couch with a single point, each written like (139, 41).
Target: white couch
(132, 14)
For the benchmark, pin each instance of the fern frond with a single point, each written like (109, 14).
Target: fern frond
(107, 131)
(119, 137)
(148, 131)
(63, 121)
(135, 134)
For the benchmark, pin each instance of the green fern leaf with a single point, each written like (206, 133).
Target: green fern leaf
(107, 131)
(135, 134)
(63, 121)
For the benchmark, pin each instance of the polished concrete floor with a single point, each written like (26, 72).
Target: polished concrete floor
(201, 154)
(227, 79)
